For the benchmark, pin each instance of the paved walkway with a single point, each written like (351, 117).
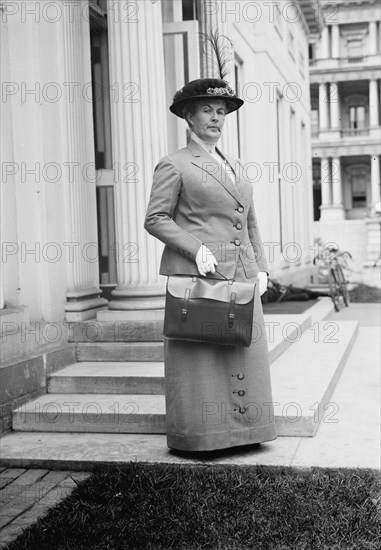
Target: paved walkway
(347, 437)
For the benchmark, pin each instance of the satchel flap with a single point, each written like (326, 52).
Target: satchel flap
(211, 289)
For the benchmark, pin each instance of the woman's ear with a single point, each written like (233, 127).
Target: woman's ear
(189, 118)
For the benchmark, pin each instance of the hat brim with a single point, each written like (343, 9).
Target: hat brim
(232, 103)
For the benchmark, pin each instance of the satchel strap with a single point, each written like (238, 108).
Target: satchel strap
(230, 281)
(184, 309)
(231, 315)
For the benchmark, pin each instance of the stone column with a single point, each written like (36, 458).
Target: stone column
(83, 292)
(324, 43)
(334, 105)
(139, 134)
(372, 38)
(337, 193)
(326, 185)
(323, 106)
(375, 179)
(373, 103)
(337, 212)
(335, 36)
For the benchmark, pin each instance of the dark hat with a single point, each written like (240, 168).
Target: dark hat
(211, 88)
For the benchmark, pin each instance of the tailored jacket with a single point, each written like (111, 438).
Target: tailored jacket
(193, 202)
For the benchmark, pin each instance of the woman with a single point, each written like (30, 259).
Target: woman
(202, 208)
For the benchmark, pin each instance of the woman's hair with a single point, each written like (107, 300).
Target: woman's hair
(190, 108)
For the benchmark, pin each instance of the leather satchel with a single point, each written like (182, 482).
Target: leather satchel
(213, 311)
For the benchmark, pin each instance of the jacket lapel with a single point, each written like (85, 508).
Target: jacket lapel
(209, 165)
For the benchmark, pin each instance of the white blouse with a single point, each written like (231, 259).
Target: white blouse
(211, 149)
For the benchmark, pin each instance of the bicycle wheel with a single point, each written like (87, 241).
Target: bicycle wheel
(342, 284)
(334, 289)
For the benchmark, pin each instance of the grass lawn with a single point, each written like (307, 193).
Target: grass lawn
(157, 507)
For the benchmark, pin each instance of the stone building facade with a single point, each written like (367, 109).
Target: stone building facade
(345, 71)
(86, 89)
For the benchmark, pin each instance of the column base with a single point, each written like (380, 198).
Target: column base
(137, 299)
(131, 315)
(82, 305)
(136, 304)
(332, 213)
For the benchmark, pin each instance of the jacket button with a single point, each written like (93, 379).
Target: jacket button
(242, 410)
(240, 209)
(240, 376)
(241, 393)
(237, 242)
(239, 226)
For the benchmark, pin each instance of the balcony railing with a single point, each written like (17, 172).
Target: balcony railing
(345, 132)
(340, 60)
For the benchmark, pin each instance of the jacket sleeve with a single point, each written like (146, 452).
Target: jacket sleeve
(165, 194)
(255, 239)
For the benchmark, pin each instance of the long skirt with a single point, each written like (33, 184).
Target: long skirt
(219, 396)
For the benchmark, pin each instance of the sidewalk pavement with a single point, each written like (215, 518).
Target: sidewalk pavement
(347, 437)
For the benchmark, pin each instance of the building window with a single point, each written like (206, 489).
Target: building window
(181, 41)
(314, 122)
(355, 49)
(301, 63)
(100, 84)
(357, 117)
(279, 171)
(359, 178)
(190, 10)
(291, 44)
(237, 84)
(278, 19)
(316, 177)
(103, 143)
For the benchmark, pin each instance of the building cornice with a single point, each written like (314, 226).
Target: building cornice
(313, 15)
(339, 74)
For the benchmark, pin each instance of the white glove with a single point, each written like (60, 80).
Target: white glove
(205, 260)
(262, 281)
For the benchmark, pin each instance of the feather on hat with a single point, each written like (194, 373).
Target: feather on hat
(211, 88)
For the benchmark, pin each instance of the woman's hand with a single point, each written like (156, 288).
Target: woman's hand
(205, 260)
(262, 281)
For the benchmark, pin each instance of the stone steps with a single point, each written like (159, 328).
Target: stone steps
(117, 351)
(113, 378)
(101, 413)
(303, 379)
(281, 331)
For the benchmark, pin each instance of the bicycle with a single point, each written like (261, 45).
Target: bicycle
(336, 279)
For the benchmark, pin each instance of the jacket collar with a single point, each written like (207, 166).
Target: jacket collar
(206, 162)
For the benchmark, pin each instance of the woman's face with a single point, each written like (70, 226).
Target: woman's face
(208, 119)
